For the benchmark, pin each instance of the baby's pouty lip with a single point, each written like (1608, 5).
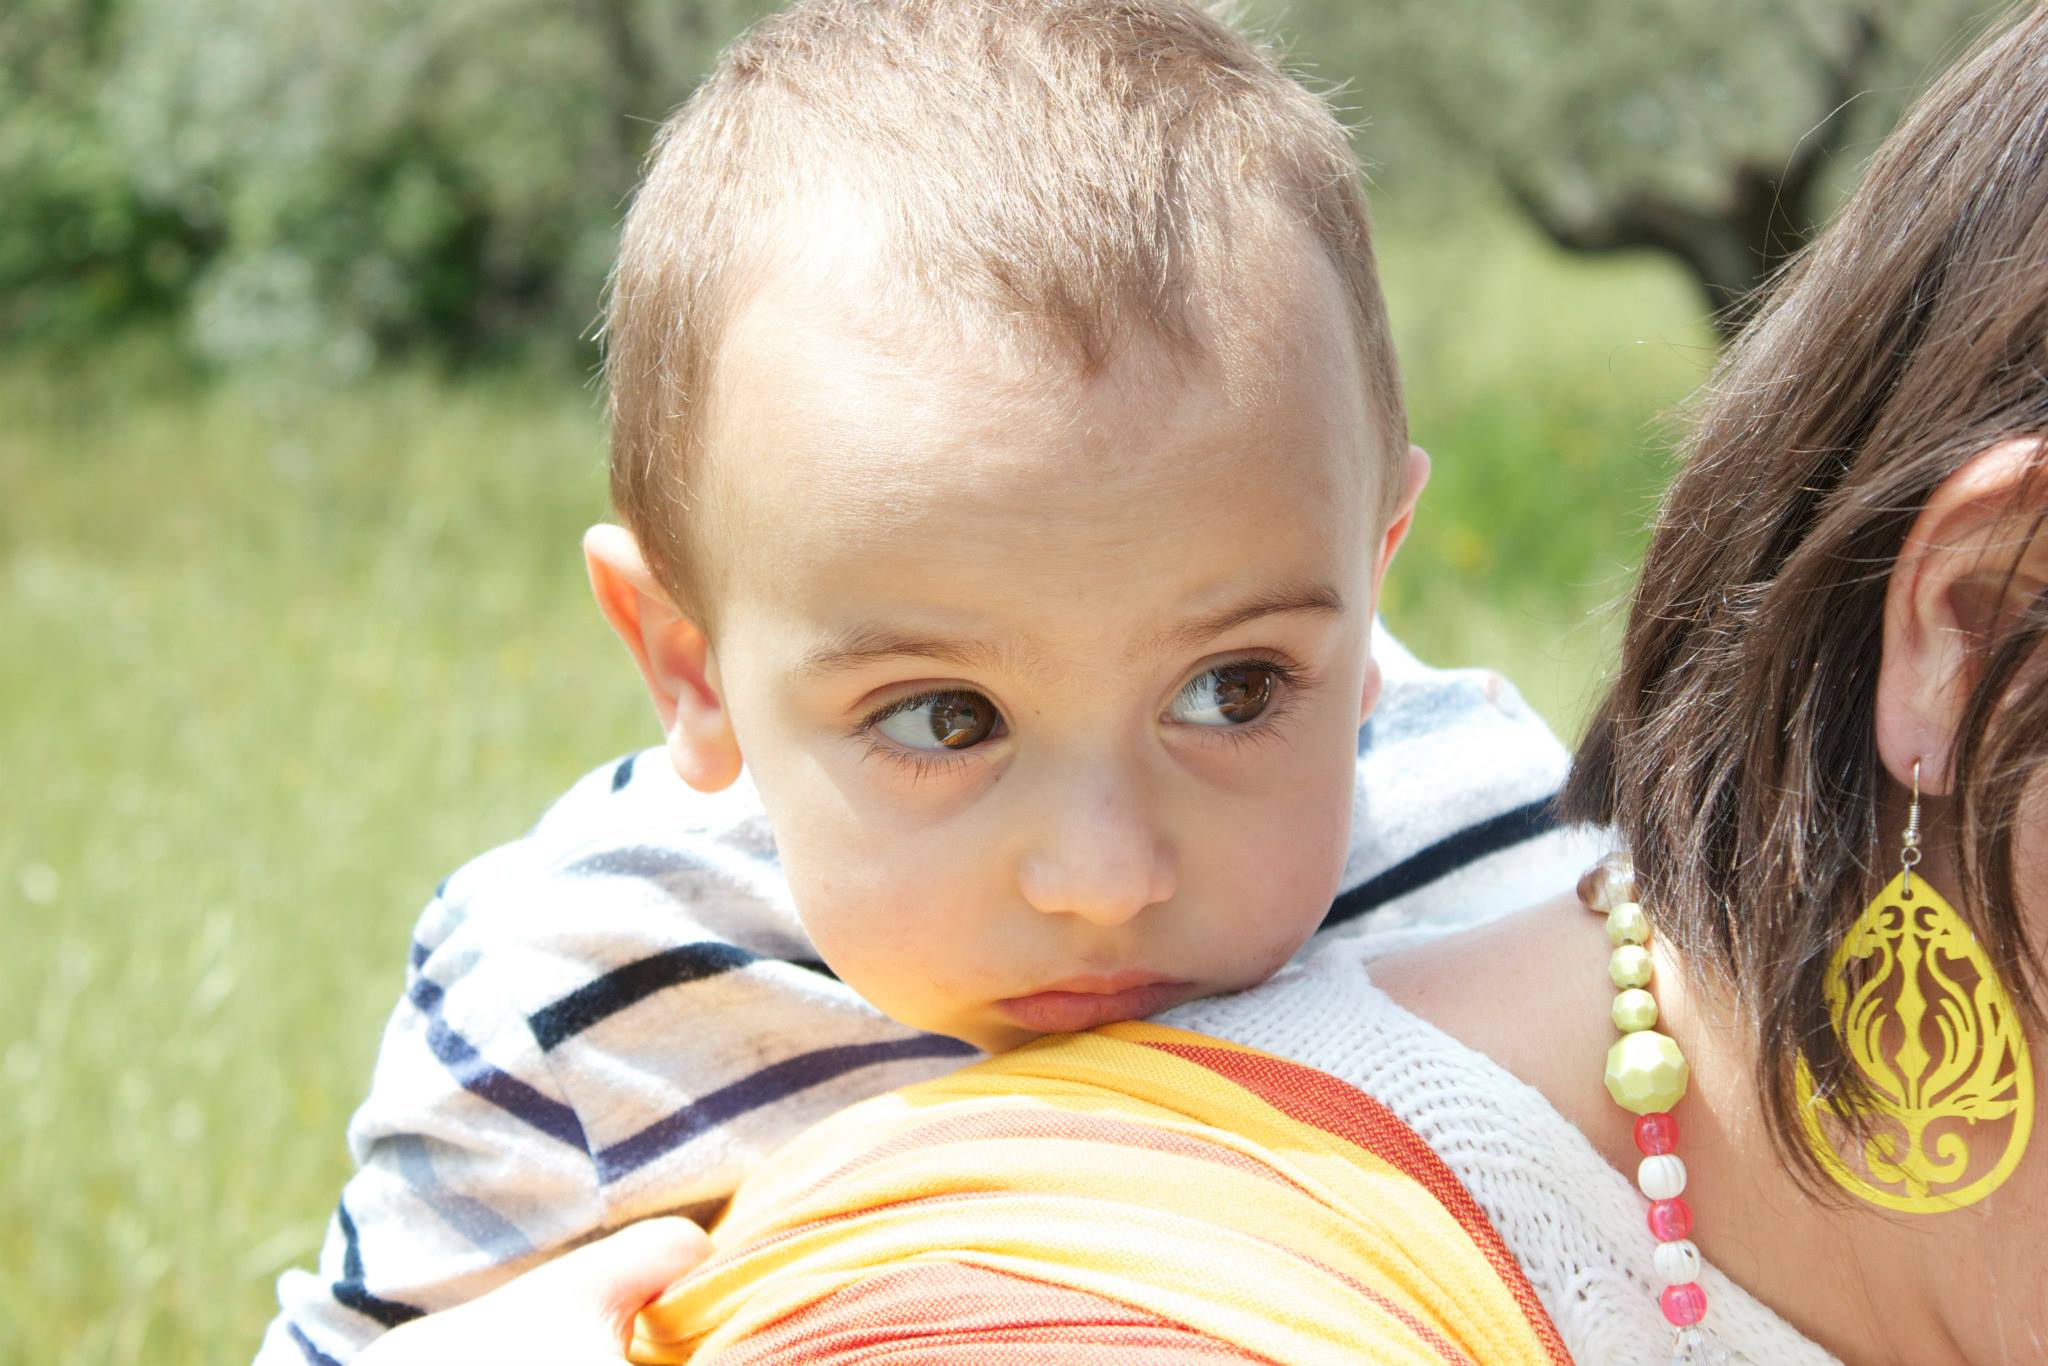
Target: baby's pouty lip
(1077, 1003)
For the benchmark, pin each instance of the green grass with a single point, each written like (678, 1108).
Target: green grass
(277, 657)
(275, 660)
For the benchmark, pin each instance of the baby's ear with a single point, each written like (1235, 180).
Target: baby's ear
(672, 654)
(1414, 475)
(1976, 557)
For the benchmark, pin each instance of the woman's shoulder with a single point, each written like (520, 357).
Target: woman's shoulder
(1497, 1006)
(1528, 992)
(1475, 1039)
(1488, 1044)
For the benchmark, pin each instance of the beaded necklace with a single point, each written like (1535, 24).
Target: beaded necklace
(1647, 1076)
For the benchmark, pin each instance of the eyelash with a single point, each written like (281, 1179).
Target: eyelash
(1292, 678)
(919, 764)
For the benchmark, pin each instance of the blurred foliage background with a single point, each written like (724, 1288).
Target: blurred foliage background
(297, 432)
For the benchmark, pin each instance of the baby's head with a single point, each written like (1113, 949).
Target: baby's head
(1009, 445)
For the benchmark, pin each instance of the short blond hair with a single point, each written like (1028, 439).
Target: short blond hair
(1071, 168)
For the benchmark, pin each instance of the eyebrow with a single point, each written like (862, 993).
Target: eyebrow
(1319, 599)
(864, 645)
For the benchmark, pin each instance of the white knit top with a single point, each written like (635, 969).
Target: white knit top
(1575, 1223)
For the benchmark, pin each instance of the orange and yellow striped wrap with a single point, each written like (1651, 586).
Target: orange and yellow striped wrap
(1134, 1196)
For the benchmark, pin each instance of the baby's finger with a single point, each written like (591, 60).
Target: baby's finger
(616, 1276)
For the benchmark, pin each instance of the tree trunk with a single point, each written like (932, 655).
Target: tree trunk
(1764, 216)
(1730, 251)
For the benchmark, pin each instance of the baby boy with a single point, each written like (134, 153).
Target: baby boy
(1008, 446)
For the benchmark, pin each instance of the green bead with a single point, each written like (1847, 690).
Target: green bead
(1626, 924)
(1634, 1009)
(1646, 1074)
(1629, 966)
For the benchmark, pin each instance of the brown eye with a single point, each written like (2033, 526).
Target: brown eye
(961, 719)
(950, 720)
(1227, 696)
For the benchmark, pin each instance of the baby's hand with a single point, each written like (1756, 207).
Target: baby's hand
(575, 1311)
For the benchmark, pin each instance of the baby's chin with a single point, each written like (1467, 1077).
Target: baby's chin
(1005, 1025)
(993, 1038)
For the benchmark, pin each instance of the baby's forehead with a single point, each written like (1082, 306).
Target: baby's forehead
(833, 319)
(845, 438)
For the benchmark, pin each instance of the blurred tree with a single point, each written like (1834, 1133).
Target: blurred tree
(80, 246)
(391, 174)
(345, 181)
(336, 181)
(1715, 133)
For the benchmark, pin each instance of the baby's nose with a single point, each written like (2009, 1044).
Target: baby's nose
(1103, 859)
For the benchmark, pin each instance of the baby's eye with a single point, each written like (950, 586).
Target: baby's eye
(1229, 695)
(940, 720)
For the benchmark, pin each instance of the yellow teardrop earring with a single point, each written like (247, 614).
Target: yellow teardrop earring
(1931, 1029)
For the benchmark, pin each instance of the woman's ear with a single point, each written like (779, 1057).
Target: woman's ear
(1977, 554)
(672, 654)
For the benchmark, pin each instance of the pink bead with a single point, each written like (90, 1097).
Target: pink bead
(1684, 1305)
(1656, 1134)
(1670, 1220)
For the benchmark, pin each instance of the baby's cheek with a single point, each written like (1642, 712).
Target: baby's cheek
(887, 939)
(1267, 918)
(839, 915)
(1305, 842)
(1294, 880)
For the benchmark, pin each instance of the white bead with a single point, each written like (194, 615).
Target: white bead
(1661, 1177)
(1678, 1263)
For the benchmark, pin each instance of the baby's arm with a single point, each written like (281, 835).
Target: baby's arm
(609, 1019)
(471, 1161)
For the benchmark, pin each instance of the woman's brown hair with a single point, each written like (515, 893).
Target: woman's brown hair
(1735, 753)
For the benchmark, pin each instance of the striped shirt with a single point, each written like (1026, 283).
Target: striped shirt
(619, 1014)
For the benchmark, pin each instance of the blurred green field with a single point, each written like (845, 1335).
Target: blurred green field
(278, 655)
(1545, 388)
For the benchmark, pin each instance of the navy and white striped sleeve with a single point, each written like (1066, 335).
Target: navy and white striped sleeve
(613, 1017)
(1453, 813)
(472, 1162)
